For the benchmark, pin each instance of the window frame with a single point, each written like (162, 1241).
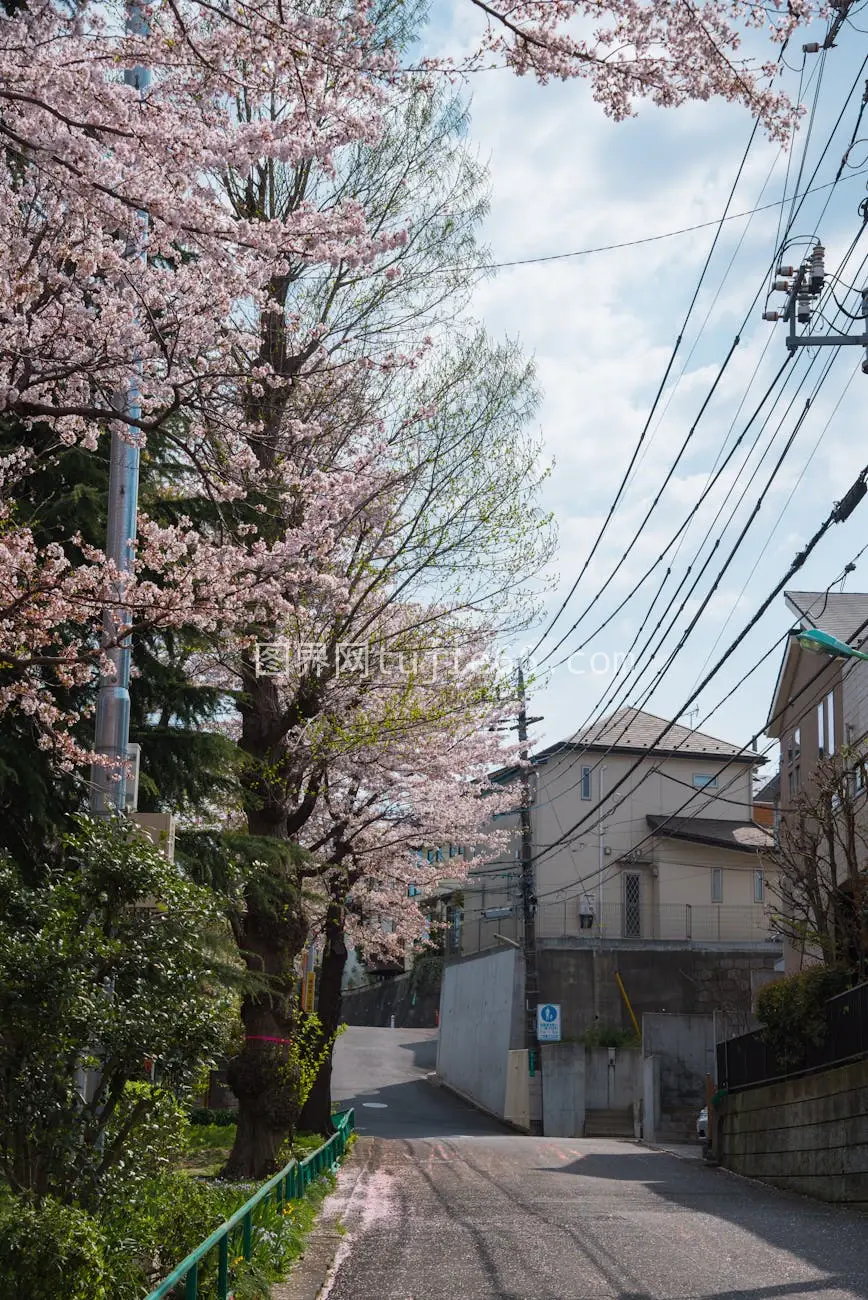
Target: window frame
(587, 784)
(717, 885)
(704, 781)
(759, 885)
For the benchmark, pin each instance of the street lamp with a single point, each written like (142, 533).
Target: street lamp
(823, 643)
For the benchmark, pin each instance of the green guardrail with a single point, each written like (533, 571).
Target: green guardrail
(290, 1184)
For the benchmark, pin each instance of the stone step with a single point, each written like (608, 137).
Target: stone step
(609, 1123)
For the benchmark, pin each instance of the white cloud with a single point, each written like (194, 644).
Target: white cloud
(601, 329)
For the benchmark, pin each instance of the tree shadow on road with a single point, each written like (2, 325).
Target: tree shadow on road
(831, 1240)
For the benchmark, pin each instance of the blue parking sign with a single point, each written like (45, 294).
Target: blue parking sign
(548, 1022)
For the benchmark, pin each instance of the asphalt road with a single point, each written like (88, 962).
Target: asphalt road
(441, 1203)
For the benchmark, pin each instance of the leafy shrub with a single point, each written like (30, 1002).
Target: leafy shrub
(119, 917)
(51, 1251)
(609, 1036)
(793, 1011)
(149, 1231)
(149, 1132)
(201, 1115)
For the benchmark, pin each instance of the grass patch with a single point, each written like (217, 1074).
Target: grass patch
(208, 1146)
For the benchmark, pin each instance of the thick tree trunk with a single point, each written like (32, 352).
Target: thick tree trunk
(265, 1075)
(316, 1114)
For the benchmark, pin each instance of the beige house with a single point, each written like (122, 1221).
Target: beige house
(634, 842)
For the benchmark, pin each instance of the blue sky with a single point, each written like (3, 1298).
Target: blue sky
(601, 329)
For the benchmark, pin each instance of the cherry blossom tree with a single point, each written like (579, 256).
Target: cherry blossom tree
(210, 262)
(396, 819)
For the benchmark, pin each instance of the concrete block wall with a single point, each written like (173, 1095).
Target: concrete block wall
(808, 1135)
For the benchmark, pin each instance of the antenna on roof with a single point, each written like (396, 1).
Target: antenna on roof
(692, 715)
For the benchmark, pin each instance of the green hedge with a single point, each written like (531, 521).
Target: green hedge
(793, 1010)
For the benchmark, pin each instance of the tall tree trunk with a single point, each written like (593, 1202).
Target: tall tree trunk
(270, 935)
(316, 1114)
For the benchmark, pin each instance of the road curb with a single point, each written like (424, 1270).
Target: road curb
(313, 1270)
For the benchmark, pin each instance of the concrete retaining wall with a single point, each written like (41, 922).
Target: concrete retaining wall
(670, 978)
(480, 1023)
(683, 1046)
(564, 1082)
(808, 1135)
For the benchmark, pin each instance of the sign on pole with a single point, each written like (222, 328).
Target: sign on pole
(548, 1022)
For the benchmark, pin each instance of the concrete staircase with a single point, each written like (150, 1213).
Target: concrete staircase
(609, 1123)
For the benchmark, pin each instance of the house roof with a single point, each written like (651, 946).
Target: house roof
(843, 613)
(634, 729)
(743, 837)
(770, 792)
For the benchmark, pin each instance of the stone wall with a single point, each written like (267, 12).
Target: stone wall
(808, 1135)
(413, 1004)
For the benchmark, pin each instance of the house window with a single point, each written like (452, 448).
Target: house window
(830, 722)
(717, 884)
(821, 739)
(703, 780)
(586, 783)
(795, 745)
(759, 887)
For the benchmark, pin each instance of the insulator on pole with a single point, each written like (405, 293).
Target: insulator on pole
(781, 286)
(786, 270)
(803, 310)
(812, 47)
(817, 268)
(771, 315)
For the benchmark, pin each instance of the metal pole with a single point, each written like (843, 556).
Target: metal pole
(600, 846)
(112, 732)
(531, 981)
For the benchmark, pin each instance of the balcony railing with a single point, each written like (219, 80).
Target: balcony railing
(667, 923)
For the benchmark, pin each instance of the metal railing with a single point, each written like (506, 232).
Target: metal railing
(712, 923)
(290, 1184)
(749, 1060)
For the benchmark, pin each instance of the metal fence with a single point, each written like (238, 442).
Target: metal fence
(486, 927)
(749, 1060)
(235, 1236)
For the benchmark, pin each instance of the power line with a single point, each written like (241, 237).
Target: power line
(794, 209)
(600, 708)
(662, 385)
(836, 515)
(653, 239)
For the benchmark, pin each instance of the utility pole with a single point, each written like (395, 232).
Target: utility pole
(528, 902)
(112, 732)
(803, 285)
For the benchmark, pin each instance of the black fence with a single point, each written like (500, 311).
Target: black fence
(749, 1060)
